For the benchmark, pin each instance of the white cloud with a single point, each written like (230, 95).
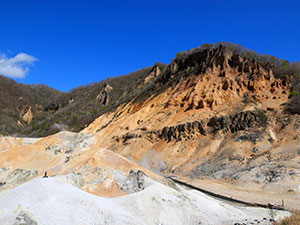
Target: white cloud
(17, 66)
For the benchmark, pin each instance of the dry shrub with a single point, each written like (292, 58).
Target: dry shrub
(293, 220)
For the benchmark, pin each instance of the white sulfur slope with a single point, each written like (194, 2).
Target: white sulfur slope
(52, 201)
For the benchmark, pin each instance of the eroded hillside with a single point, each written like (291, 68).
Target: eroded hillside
(213, 114)
(213, 118)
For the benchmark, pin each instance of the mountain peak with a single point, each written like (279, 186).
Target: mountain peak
(220, 56)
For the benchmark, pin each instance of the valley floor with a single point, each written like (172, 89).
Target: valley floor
(251, 193)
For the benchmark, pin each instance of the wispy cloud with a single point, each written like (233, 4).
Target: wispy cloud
(17, 66)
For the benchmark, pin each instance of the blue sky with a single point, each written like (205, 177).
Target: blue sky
(74, 42)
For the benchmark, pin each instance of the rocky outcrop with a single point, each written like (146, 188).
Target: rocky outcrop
(135, 182)
(182, 131)
(153, 135)
(240, 121)
(104, 96)
(129, 136)
(220, 58)
(216, 76)
(28, 116)
(19, 176)
(243, 120)
(24, 218)
(154, 73)
(219, 123)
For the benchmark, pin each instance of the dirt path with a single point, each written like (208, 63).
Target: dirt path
(251, 195)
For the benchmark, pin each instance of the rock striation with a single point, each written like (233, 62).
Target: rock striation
(182, 131)
(237, 122)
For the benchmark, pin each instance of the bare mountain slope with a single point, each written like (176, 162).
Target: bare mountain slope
(213, 114)
(214, 118)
